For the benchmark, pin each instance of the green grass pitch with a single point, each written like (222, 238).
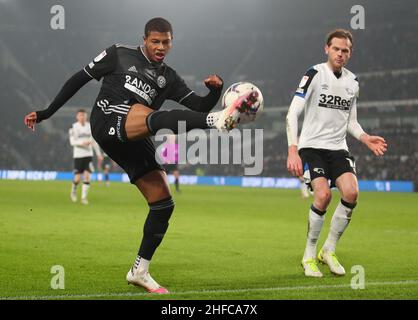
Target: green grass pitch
(223, 243)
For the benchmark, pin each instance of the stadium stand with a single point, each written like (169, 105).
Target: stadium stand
(384, 58)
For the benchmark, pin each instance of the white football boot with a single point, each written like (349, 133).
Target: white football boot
(230, 116)
(73, 196)
(330, 258)
(310, 267)
(84, 201)
(144, 279)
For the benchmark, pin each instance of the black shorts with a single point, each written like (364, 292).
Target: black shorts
(136, 158)
(170, 167)
(329, 164)
(83, 164)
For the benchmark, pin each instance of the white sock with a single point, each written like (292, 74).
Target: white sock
(212, 118)
(141, 264)
(85, 190)
(315, 223)
(304, 190)
(74, 187)
(339, 223)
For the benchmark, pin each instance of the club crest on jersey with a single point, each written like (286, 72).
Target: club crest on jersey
(161, 82)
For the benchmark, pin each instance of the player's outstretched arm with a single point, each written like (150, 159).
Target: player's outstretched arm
(204, 104)
(294, 162)
(72, 85)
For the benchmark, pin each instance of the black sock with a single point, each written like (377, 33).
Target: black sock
(155, 226)
(169, 120)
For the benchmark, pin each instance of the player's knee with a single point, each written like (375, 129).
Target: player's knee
(158, 217)
(351, 195)
(323, 197)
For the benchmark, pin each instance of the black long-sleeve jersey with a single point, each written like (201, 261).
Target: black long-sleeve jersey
(129, 77)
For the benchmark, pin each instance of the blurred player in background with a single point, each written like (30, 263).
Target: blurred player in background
(105, 166)
(328, 94)
(170, 156)
(136, 82)
(83, 145)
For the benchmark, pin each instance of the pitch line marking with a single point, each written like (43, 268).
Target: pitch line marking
(139, 294)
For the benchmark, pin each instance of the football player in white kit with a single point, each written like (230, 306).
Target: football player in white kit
(327, 94)
(83, 145)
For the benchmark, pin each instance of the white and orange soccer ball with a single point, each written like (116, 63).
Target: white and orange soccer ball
(239, 89)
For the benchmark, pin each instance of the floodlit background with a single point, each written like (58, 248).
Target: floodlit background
(270, 43)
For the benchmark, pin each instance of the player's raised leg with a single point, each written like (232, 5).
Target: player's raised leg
(155, 188)
(142, 122)
(322, 197)
(348, 187)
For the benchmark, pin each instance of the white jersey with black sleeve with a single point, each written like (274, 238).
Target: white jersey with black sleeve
(328, 100)
(80, 134)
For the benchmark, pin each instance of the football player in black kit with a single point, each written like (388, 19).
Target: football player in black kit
(135, 84)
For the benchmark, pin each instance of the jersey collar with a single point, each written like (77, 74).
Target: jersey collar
(337, 74)
(141, 48)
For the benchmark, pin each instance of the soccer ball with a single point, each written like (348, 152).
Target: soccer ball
(237, 90)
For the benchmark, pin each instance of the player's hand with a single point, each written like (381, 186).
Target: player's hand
(30, 120)
(86, 143)
(376, 144)
(294, 162)
(213, 81)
